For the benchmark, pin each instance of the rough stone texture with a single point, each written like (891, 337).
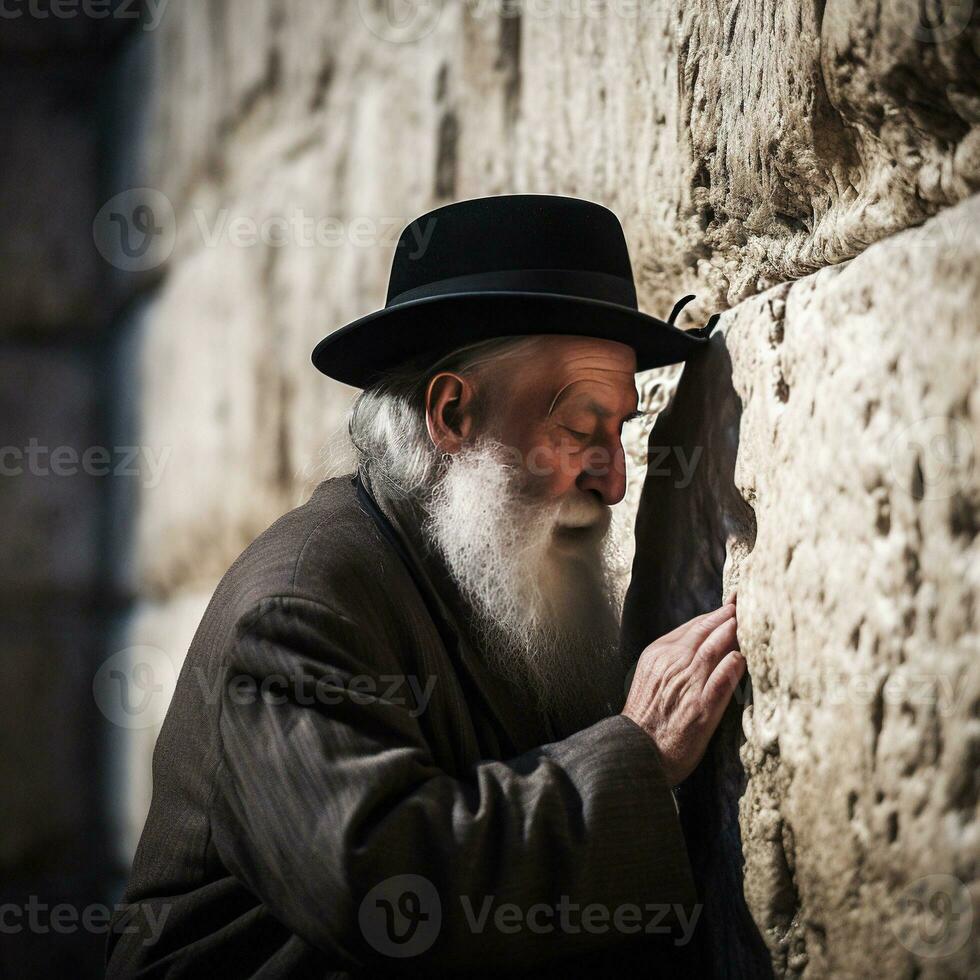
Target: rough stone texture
(743, 144)
(838, 490)
(814, 129)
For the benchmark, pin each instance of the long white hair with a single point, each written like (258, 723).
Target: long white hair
(387, 426)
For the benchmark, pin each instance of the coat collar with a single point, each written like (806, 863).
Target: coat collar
(399, 520)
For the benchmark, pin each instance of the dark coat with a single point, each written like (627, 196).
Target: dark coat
(295, 773)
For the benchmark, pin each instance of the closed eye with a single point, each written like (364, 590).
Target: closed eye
(576, 433)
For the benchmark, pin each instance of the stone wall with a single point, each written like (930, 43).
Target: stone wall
(836, 490)
(773, 158)
(740, 152)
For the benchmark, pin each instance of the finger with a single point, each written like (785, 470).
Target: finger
(713, 617)
(721, 685)
(703, 627)
(723, 639)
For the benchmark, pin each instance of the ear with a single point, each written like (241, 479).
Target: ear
(449, 403)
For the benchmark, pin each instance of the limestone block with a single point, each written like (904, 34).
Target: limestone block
(812, 130)
(838, 490)
(253, 85)
(727, 148)
(597, 117)
(211, 421)
(53, 472)
(290, 237)
(742, 145)
(215, 53)
(740, 149)
(120, 374)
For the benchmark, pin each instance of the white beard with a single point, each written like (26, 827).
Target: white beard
(541, 578)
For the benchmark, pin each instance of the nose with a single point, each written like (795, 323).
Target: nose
(604, 472)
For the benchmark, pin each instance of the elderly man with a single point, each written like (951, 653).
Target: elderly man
(401, 742)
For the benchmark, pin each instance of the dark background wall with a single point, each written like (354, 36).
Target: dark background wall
(62, 315)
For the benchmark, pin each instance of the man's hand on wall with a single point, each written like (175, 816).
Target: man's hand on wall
(682, 684)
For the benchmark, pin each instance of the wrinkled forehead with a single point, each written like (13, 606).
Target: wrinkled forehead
(586, 368)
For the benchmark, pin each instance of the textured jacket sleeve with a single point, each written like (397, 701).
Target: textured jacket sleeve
(327, 797)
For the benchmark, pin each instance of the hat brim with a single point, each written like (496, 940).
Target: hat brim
(358, 353)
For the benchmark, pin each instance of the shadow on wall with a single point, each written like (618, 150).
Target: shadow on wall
(691, 519)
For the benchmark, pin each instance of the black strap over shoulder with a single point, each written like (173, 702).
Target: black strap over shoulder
(371, 508)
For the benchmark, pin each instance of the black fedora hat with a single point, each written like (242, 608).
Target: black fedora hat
(503, 266)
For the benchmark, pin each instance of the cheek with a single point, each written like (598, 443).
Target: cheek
(549, 461)
(552, 469)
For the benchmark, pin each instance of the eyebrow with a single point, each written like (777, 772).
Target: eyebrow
(593, 406)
